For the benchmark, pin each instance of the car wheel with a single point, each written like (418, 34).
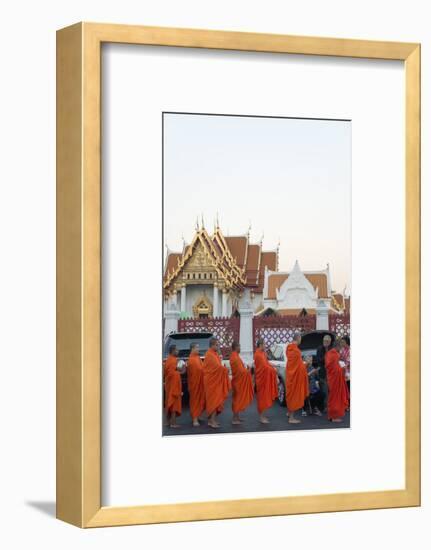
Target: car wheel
(281, 393)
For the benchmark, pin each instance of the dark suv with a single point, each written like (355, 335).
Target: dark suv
(183, 340)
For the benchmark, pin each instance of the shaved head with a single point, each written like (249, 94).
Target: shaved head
(213, 342)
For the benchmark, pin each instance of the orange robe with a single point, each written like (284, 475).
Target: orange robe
(266, 381)
(338, 393)
(242, 384)
(172, 385)
(195, 382)
(297, 389)
(216, 382)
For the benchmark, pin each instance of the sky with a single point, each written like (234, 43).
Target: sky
(289, 179)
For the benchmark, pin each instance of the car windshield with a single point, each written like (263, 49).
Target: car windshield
(276, 353)
(184, 340)
(313, 340)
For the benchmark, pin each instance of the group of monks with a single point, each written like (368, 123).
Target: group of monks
(209, 383)
(298, 372)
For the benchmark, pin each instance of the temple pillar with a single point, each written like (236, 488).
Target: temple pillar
(183, 299)
(224, 303)
(171, 319)
(215, 302)
(173, 300)
(246, 329)
(322, 314)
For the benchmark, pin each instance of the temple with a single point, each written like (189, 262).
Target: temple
(210, 276)
(298, 292)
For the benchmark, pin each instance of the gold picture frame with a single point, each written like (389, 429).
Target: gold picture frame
(79, 274)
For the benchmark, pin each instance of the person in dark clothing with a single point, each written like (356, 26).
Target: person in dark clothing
(315, 399)
(320, 360)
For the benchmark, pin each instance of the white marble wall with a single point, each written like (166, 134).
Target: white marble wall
(194, 292)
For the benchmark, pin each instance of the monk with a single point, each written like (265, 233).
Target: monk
(266, 381)
(242, 384)
(338, 393)
(297, 389)
(216, 383)
(195, 382)
(173, 390)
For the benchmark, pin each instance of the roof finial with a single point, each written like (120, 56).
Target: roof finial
(197, 223)
(203, 224)
(261, 239)
(249, 228)
(217, 222)
(183, 239)
(278, 255)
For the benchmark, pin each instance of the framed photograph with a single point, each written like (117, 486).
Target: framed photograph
(238, 274)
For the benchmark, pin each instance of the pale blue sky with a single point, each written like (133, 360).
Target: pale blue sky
(289, 178)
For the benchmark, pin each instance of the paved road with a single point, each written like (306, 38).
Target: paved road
(276, 415)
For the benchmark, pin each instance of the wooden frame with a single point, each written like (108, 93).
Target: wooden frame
(78, 275)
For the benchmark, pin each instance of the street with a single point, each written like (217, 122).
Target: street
(276, 414)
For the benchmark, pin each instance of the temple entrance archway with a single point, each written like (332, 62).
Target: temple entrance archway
(203, 308)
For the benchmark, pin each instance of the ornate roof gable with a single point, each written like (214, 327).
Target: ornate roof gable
(296, 290)
(205, 253)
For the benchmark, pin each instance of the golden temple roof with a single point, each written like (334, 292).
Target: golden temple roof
(237, 261)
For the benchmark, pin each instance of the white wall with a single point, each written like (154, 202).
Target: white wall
(257, 302)
(194, 292)
(27, 218)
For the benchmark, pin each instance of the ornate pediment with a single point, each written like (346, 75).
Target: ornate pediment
(202, 260)
(199, 260)
(203, 307)
(296, 291)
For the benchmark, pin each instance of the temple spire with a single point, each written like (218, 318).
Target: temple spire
(278, 254)
(296, 268)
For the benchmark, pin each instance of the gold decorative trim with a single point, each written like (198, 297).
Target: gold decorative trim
(206, 309)
(232, 277)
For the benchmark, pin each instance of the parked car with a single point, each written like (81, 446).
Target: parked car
(183, 340)
(277, 356)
